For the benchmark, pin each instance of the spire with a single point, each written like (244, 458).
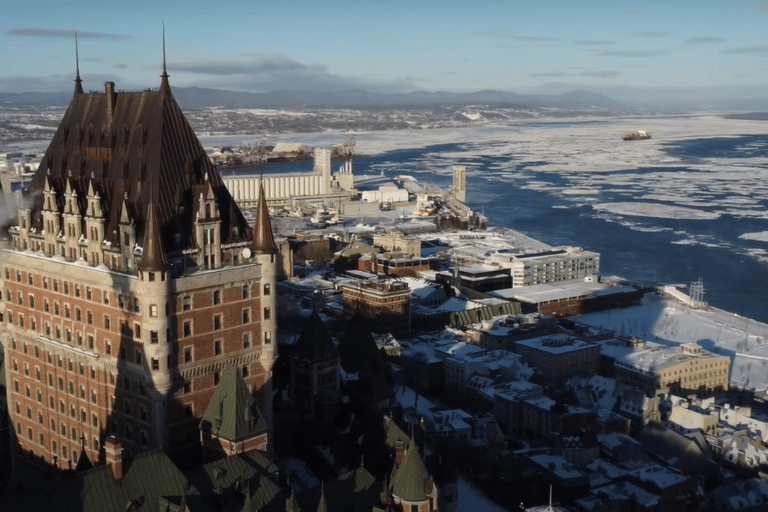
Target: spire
(153, 258)
(78, 81)
(164, 85)
(263, 239)
(323, 505)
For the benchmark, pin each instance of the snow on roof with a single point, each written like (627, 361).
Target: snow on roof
(513, 391)
(408, 398)
(556, 465)
(554, 291)
(672, 323)
(542, 402)
(659, 476)
(556, 343)
(623, 490)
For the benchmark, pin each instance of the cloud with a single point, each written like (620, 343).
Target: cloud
(553, 74)
(650, 34)
(745, 50)
(259, 73)
(594, 43)
(697, 41)
(506, 34)
(632, 53)
(66, 34)
(596, 73)
(119, 65)
(61, 83)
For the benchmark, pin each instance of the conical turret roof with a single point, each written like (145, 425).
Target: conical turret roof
(263, 239)
(409, 483)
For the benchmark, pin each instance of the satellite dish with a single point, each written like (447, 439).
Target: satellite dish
(246, 253)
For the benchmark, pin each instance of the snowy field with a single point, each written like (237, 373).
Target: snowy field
(745, 341)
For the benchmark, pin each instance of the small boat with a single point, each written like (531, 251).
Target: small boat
(638, 135)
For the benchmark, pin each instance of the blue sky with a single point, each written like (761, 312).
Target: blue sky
(390, 45)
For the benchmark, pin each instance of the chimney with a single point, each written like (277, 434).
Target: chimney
(114, 456)
(109, 91)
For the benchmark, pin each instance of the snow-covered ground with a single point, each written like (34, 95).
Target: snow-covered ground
(745, 341)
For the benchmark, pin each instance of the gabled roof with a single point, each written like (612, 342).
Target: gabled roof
(410, 481)
(232, 413)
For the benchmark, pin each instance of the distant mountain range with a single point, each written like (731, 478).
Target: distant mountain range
(196, 97)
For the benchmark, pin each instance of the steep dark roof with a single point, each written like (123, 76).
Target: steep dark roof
(136, 148)
(314, 342)
(263, 238)
(410, 481)
(153, 258)
(232, 413)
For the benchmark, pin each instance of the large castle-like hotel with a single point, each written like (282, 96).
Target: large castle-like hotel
(131, 281)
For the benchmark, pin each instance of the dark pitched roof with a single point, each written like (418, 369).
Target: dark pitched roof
(240, 482)
(232, 413)
(136, 148)
(314, 342)
(153, 258)
(354, 491)
(150, 478)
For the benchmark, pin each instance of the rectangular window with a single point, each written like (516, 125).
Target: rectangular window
(155, 363)
(246, 316)
(246, 340)
(217, 348)
(153, 337)
(137, 331)
(187, 329)
(267, 313)
(187, 354)
(138, 357)
(106, 322)
(217, 322)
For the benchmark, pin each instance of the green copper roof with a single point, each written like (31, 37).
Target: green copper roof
(354, 491)
(227, 481)
(409, 483)
(232, 413)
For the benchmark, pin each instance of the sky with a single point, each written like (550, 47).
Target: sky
(387, 46)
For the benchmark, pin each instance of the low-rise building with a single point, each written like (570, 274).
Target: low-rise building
(687, 368)
(559, 356)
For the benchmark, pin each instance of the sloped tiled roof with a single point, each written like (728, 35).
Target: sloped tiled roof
(133, 149)
(232, 413)
(409, 483)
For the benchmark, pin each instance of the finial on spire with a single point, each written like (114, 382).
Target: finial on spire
(165, 73)
(78, 81)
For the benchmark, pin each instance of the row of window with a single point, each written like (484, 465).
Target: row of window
(216, 299)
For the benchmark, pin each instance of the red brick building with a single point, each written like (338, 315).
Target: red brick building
(130, 281)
